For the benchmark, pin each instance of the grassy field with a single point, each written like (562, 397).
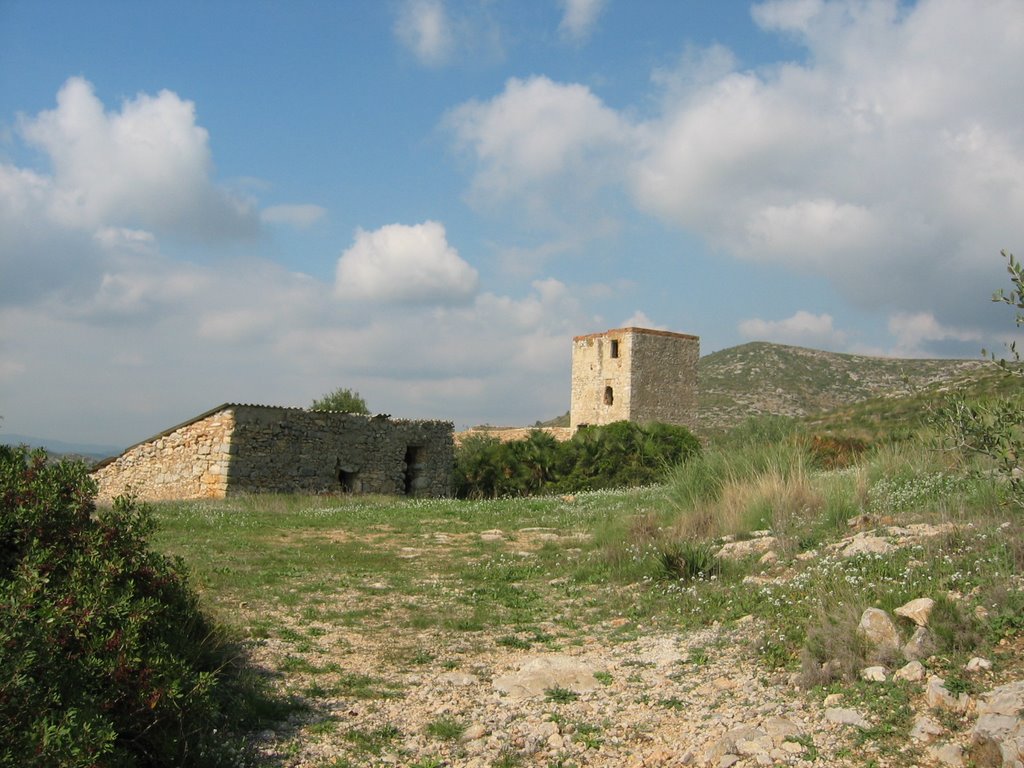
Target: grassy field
(428, 586)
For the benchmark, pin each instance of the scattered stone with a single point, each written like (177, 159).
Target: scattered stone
(458, 678)
(947, 754)
(917, 610)
(474, 732)
(920, 646)
(880, 633)
(912, 672)
(540, 674)
(769, 558)
(874, 674)
(844, 716)
(738, 550)
(866, 545)
(925, 729)
(938, 696)
(978, 664)
(1000, 723)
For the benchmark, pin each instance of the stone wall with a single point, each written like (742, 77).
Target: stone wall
(240, 449)
(289, 450)
(634, 374)
(664, 378)
(186, 462)
(510, 434)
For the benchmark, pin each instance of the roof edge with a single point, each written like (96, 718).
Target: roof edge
(635, 329)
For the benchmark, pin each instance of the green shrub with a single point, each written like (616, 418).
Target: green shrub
(617, 455)
(105, 656)
(688, 561)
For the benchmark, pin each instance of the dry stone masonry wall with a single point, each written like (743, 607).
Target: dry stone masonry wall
(259, 449)
(634, 374)
(186, 462)
(288, 450)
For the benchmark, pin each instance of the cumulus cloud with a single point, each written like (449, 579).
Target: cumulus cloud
(579, 18)
(116, 182)
(424, 27)
(298, 216)
(91, 283)
(147, 166)
(888, 161)
(405, 264)
(915, 331)
(535, 131)
(801, 329)
(640, 319)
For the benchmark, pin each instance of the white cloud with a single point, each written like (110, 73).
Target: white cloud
(640, 320)
(889, 162)
(405, 264)
(117, 181)
(801, 329)
(424, 28)
(147, 166)
(91, 285)
(579, 18)
(298, 216)
(914, 331)
(535, 131)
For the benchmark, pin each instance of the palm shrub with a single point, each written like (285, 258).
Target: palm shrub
(612, 456)
(105, 655)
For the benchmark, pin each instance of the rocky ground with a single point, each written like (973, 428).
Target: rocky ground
(619, 694)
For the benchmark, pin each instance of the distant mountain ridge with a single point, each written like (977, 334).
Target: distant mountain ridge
(763, 378)
(84, 450)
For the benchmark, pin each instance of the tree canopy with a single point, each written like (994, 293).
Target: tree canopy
(342, 401)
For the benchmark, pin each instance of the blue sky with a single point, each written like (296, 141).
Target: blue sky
(424, 200)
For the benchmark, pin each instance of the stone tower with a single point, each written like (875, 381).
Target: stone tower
(634, 374)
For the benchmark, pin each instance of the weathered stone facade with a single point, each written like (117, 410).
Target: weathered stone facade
(237, 449)
(634, 374)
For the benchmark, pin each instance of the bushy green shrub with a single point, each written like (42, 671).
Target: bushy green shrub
(993, 428)
(105, 655)
(613, 456)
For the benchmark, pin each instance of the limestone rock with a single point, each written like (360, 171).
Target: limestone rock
(867, 545)
(874, 674)
(473, 732)
(920, 646)
(738, 550)
(925, 729)
(880, 634)
(978, 664)
(917, 610)
(1000, 722)
(947, 754)
(938, 696)
(537, 675)
(844, 716)
(912, 672)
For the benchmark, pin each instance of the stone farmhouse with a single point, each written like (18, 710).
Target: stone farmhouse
(634, 374)
(238, 449)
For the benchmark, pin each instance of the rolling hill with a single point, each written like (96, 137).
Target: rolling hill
(762, 378)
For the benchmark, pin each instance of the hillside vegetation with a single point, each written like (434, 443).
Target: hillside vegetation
(760, 378)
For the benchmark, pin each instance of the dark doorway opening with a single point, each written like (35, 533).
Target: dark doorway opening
(413, 469)
(609, 396)
(348, 479)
